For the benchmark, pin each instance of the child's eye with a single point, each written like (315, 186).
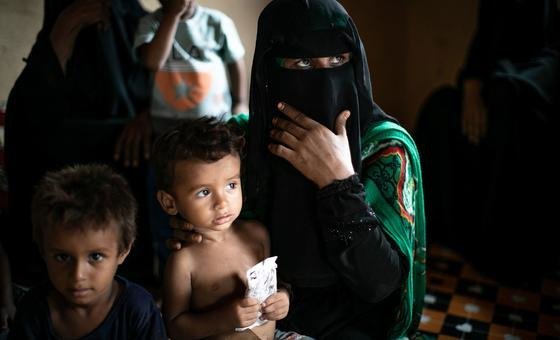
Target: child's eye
(96, 257)
(203, 193)
(232, 185)
(61, 258)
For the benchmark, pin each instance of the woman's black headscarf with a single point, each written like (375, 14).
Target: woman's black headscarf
(302, 28)
(105, 76)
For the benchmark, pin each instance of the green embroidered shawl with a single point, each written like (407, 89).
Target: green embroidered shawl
(410, 241)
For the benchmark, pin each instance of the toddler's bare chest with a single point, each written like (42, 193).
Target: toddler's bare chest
(221, 275)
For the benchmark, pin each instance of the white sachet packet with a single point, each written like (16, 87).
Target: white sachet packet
(261, 283)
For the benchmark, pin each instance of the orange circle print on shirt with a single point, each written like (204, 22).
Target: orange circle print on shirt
(183, 90)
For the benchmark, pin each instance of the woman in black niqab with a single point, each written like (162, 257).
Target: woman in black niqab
(284, 198)
(293, 28)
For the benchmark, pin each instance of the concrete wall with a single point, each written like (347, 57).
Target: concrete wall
(413, 46)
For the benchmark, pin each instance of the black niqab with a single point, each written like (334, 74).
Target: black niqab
(296, 28)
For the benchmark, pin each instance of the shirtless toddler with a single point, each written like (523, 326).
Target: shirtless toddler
(198, 177)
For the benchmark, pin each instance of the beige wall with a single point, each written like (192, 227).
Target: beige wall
(20, 20)
(413, 46)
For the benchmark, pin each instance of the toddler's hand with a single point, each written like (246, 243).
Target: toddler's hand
(276, 306)
(177, 7)
(243, 312)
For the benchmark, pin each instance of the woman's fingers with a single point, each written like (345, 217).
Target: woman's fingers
(180, 224)
(284, 152)
(287, 126)
(184, 231)
(189, 236)
(340, 123)
(284, 137)
(314, 150)
(296, 116)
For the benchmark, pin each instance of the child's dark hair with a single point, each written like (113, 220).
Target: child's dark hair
(206, 139)
(82, 197)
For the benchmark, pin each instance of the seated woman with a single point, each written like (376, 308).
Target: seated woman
(336, 180)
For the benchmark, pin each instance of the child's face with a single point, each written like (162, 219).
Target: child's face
(208, 195)
(82, 264)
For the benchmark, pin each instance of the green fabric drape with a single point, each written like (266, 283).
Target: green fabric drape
(411, 240)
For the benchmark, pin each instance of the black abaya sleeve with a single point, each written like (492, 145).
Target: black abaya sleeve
(357, 247)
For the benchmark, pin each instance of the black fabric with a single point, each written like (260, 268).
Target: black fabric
(356, 245)
(321, 43)
(335, 312)
(513, 30)
(103, 78)
(282, 26)
(55, 119)
(438, 131)
(322, 94)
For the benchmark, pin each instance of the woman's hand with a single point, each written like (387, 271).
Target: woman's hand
(136, 135)
(319, 154)
(7, 312)
(183, 234)
(69, 23)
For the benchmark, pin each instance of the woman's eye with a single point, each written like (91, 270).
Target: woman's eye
(303, 63)
(203, 193)
(96, 257)
(336, 60)
(61, 258)
(296, 63)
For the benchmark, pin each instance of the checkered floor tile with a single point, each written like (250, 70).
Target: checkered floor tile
(461, 304)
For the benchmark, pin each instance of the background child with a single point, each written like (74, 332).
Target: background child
(187, 46)
(198, 175)
(84, 224)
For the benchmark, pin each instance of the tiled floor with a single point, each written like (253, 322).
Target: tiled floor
(461, 304)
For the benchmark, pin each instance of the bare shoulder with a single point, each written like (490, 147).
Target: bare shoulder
(252, 229)
(181, 259)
